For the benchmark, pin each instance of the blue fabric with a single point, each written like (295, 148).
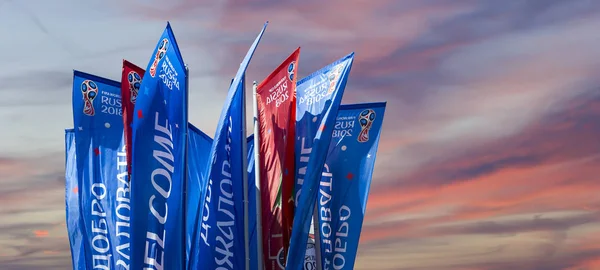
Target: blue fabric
(74, 222)
(198, 152)
(345, 182)
(158, 162)
(318, 98)
(103, 189)
(220, 241)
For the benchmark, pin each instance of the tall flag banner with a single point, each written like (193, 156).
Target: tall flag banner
(221, 244)
(158, 164)
(318, 98)
(103, 189)
(74, 225)
(131, 80)
(198, 148)
(199, 145)
(276, 108)
(222, 225)
(345, 182)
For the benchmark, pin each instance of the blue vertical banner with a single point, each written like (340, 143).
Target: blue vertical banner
(74, 222)
(101, 165)
(220, 244)
(318, 98)
(198, 149)
(346, 180)
(199, 145)
(158, 163)
(221, 227)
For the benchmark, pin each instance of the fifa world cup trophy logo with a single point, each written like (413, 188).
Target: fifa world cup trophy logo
(160, 54)
(365, 119)
(135, 81)
(89, 91)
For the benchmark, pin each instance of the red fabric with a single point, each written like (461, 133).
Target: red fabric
(129, 94)
(276, 114)
(289, 179)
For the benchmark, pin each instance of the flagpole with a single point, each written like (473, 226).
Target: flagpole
(259, 236)
(317, 235)
(185, 166)
(245, 177)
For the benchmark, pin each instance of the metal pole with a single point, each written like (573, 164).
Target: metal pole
(317, 231)
(185, 166)
(245, 176)
(259, 236)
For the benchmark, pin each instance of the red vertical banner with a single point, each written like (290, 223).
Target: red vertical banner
(131, 79)
(289, 176)
(276, 100)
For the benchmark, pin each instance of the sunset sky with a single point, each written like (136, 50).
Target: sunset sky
(490, 151)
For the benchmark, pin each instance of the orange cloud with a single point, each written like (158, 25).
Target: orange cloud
(40, 233)
(540, 182)
(488, 157)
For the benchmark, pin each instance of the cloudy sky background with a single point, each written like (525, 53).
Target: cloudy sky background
(490, 152)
